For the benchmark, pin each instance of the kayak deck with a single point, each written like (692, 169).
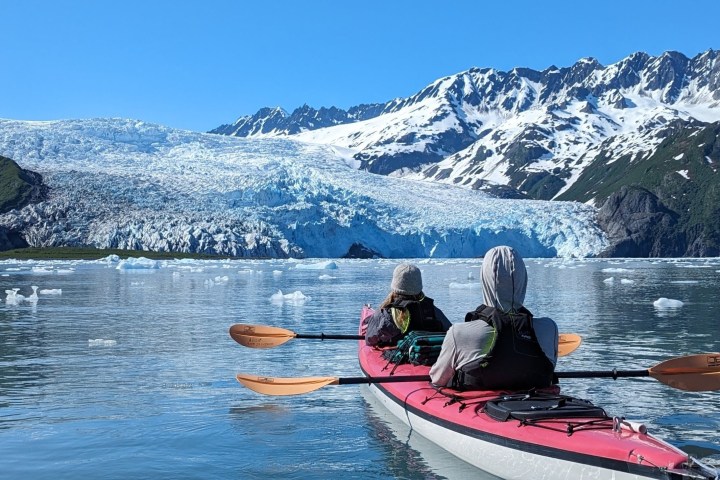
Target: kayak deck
(549, 448)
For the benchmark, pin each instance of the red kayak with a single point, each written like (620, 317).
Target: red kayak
(541, 436)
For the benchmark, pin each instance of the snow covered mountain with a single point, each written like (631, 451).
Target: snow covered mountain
(523, 133)
(116, 183)
(270, 121)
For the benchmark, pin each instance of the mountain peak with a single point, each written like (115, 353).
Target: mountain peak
(524, 129)
(589, 60)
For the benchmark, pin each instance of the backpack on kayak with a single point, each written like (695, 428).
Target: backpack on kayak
(417, 348)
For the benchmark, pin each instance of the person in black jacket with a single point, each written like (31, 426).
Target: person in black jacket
(405, 309)
(501, 345)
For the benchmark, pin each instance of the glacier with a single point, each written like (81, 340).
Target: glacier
(128, 184)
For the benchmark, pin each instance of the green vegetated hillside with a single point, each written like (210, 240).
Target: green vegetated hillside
(682, 174)
(18, 188)
(15, 189)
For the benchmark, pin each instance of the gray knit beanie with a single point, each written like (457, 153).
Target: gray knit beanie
(406, 280)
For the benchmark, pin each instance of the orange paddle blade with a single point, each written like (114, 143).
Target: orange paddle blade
(694, 373)
(260, 336)
(568, 343)
(284, 385)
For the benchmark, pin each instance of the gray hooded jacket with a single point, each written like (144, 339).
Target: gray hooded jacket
(504, 280)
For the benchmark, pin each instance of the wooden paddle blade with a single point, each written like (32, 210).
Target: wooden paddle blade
(568, 343)
(260, 336)
(284, 386)
(694, 373)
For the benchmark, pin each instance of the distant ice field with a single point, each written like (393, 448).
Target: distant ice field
(118, 183)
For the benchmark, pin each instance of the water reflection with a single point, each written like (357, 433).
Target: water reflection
(157, 398)
(408, 454)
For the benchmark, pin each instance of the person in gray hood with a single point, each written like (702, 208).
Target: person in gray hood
(500, 346)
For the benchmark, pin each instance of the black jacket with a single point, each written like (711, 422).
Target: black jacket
(382, 330)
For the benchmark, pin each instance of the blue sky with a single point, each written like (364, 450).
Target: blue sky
(198, 64)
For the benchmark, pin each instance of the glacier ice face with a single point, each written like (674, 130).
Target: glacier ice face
(118, 183)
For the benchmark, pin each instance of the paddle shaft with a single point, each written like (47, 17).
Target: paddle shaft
(614, 374)
(264, 336)
(426, 378)
(323, 336)
(692, 373)
(370, 380)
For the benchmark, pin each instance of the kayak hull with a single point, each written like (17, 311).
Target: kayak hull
(507, 460)
(456, 422)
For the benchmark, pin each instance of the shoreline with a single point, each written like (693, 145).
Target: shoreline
(71, 253)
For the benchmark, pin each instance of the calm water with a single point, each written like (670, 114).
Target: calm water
(129, 374)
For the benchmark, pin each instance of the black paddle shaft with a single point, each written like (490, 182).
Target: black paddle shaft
(322, 336)
(614, 374)
(390, 379)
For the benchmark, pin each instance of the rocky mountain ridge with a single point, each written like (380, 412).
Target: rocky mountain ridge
(522, 133)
